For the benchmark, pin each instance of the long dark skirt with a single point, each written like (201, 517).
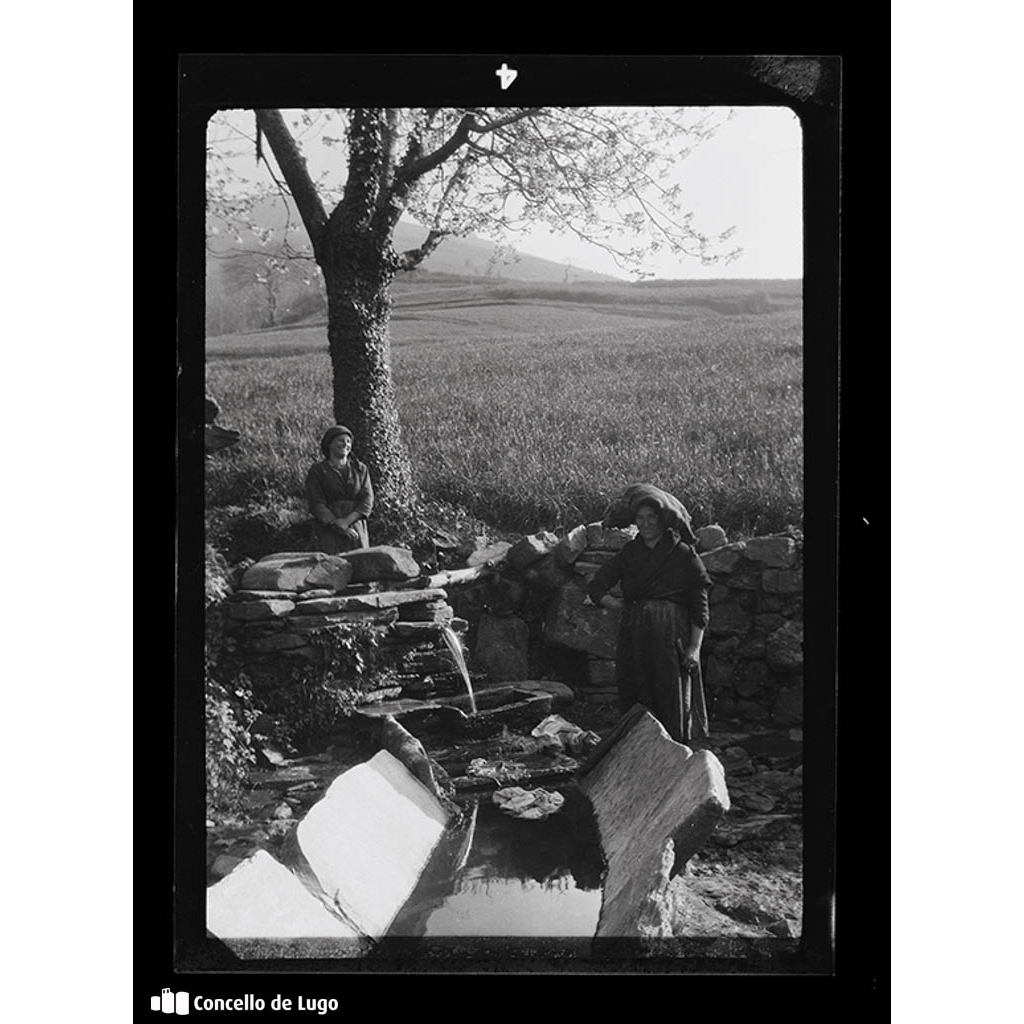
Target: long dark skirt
(648, 668)
(328, 540)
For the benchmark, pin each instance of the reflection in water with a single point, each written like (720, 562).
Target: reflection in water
(502, 876)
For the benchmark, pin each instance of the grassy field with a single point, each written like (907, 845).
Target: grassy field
(533, 408)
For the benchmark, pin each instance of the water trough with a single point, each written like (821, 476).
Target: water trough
(386, 854)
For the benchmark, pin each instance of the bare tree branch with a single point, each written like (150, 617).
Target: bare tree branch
(412, 258)
(293, 167)
(501, 122)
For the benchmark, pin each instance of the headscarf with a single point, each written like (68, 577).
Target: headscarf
(325, 441)
(674, 516)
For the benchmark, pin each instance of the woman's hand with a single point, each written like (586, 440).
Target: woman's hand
(691, 658)
(607, 601)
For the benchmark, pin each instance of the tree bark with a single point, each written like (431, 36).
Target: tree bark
(353, 248)
(358, 279)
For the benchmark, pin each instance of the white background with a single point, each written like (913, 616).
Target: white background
(66, 414)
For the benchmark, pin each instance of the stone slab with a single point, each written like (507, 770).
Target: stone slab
(581, 627)
(711, 537)
(381, 599)
(427, 630)
(601, 673)
(656, 803)
(493, 554)
(280, 642)
(528, 550)
(377, 616)
(263, 595)
(502, 647)
(571, 546)
(782, 581)
(261, 898)
(785, 647)
(723, 559)
(729, 618)
(562, 694)
(775, 552)
(382, 562)
(254, 611)
(609, 538)
(292, 571)
(441, 615)
(369, 838)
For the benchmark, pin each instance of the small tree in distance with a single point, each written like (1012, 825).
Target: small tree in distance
(596, 173)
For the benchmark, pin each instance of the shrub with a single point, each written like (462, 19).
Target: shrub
(229, 756)
(307, 701)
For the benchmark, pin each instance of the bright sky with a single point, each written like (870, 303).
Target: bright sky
(748, 175)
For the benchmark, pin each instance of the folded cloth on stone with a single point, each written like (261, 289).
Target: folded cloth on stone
(569, 735)
(532, 804)
(498, 771)
(622, 510)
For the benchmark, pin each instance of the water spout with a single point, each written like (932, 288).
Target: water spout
(455, 646)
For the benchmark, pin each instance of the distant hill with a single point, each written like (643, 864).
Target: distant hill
(469, 256)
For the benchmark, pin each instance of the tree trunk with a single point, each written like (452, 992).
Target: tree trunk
(358, 281)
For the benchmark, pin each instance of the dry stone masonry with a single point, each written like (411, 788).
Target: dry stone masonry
(519, 609)
(289, 601)
(530, 609)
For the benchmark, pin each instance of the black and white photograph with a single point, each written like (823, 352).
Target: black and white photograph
(508, 424)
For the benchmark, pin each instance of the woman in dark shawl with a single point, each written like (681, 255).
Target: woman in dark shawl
(340, 496)
(664, 612)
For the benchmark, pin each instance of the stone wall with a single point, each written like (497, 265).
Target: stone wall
(291, 605)
(528, 619)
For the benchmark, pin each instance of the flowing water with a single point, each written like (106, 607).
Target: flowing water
(455, 646)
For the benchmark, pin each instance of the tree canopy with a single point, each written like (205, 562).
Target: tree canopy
(601, 174)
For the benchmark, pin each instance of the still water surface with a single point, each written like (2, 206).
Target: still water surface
(502, 876)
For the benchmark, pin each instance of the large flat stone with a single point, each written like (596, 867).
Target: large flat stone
(609, 538)
(426, 631)
(528, 550)
(729, 618)
(775, 552)
(493, 554)
(280, 642)
(377, 616)
(782, 581)
(582, 627)
(723, 559)
(254, 611)
(382, 599)
(502, 647)
(291, 571)
(563, 695)
(785, 647)
(656, 803)
(572, 545)
(711, 537)
(382, 563)
(369, 838)
(441, 613)
(262, 899)
(263, 595)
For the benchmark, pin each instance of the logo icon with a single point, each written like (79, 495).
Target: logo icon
(169, 1002)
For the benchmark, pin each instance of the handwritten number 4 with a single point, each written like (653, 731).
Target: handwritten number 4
(507, 75)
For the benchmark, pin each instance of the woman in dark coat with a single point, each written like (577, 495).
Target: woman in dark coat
(340, 496)
(664, 614)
